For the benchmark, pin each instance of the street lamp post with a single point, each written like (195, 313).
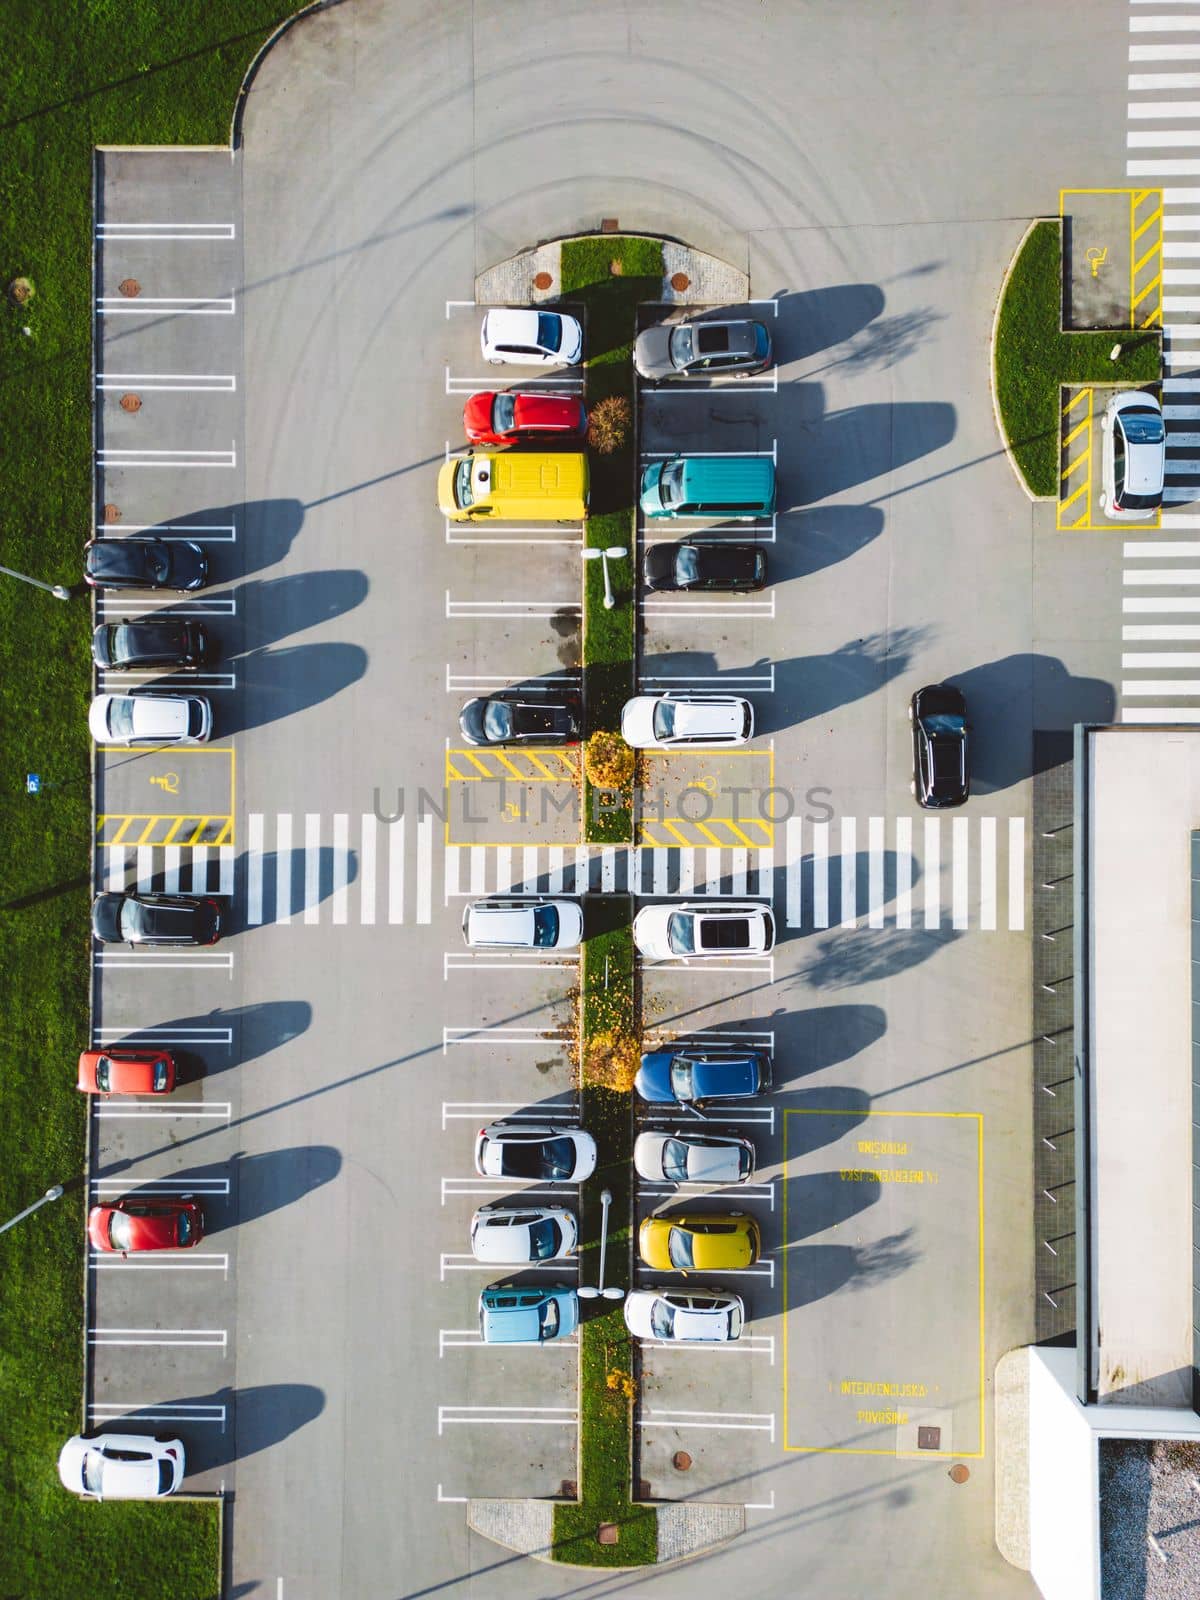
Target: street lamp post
(614, 1291)
(53, 1193)
(56, 589)
(614, 552)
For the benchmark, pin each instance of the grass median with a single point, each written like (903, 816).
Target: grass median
(610, 636)
(1033, 356)
(72, 77)
(607, 1365)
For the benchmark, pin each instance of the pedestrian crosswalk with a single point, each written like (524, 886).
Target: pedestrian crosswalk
(1160, 587)
(335, 870)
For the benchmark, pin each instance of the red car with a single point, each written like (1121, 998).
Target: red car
(506, 418)
(126, 1072)
(150, 1222)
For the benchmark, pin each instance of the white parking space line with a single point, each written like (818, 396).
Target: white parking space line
(166, 230)
(735, 1038)
(848, 846)
(161, 960)
(960, 870)
(1164, 52)
(750, 1344)
(987, 872)
(487, 1033)
(425, 869)
(529, 869)
(481, 1188)
(748, 682)
(751, 1117)
(1136, 631)
(510, 610)
(560, 380)
(177, 382)
(200, 1186)
(760, 1269)
(341, 865)
(254, 868)
(508, 1110)
(312, 866)
(904, 872)
(452, 1261)
(762, 610)
(712, 872)
(204, 1338)
(170, 1411)
(503, 961)
(201, 532)
(159, 1261)
(130, 1108)
(875, 886)
(511, 1416)
(481, 683)
(1165, 687)
(655, 1193)
(469, 1339)
(111, 459)
(662, 455)
(722, 966)
(210, 606)
(933, 872)
(719, 1421)
(659, 874)
(162, 1036)
(283, 867)
(1016, 873)
(148, 305)
(118, 678)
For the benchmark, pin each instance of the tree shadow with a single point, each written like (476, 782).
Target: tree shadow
(816, 1271)
(274, 684)
(272, 608)
(868, 955)
(820, 1200)
(1011, 698)
(817, 537)
(818, 1037)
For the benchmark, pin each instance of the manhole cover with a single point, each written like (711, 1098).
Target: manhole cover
(681, 1461)
(929, 1438)
(608, 1533)
(131, 402)
(542, 280)
(959, 1473)
(130, 288)
(569, 1490)
(680, 281)
(112, 513)
(610, 225)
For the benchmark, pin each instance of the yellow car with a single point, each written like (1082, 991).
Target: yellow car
(719, 1241)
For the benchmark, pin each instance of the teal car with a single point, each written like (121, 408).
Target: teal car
(521, 1315)
(724, 488)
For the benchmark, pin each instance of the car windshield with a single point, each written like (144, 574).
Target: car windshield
(687, 565)
(120, 1233)
(160, 1074)
(543, 1239)
(944, 723)
(545, 927)
(679, 1248)
(544, 1158)
(1143, 426)
(103, 1074)
(120, 717)
(549, 334)
(124, 641)
(548, 1318)
(462, 484)
(681, 346)
(93, 1472)
(662, 1319)
(131, 920)
(664, 719)
(670, 483)
(681, 932)
(682, 1085)
(498, 720)
(675, 1152)
(504, 411)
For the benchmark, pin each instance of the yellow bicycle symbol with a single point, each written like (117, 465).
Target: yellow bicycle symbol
(1096, 255)
(168, 782)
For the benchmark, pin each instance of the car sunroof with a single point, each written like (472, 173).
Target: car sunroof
(712, 340)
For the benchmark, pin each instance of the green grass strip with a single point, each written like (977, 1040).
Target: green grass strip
(1033, 356)
(71, 77)
(607, 1364)
(610, 637)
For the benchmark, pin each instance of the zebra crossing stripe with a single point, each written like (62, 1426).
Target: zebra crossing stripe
(396, 834)
(312, 867)
(254, 881)
(366, 869)
(283, 867)
(933, 868)
(904, 871)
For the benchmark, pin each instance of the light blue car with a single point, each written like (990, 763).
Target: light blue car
(527, 1316)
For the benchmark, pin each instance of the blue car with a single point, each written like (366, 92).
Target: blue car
(692, 1077)
(520, 1315)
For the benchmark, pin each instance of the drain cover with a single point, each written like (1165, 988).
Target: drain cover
(569, 1490)
(542, 280)
(680, 281)
(681, 1461)
(610, 225)
(131, 402)
(130, 288)
(112, 513)
(608, 1533)
(929, 1438)
(959, 1473)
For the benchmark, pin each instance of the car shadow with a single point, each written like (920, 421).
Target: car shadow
(271, 609)
(258, 1184)
(274, 684)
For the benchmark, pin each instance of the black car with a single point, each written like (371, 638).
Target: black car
(719, 567)
(150, 642)
(156, 919)
(941, 755)
(517, 717)
(702, 349)
(138, 563)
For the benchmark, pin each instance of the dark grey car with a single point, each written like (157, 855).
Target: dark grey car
(702, 350)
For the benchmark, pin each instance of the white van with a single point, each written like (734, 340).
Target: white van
(531, 923)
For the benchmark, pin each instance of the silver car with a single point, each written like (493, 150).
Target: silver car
(685, 1316)
(521, 1236)
(702, 349)
(150, 719)
(1133, 457)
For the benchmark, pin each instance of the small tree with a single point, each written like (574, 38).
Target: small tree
(609, 424)
(608, 761)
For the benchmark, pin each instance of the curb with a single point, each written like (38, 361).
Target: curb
(1035, 499)
(247, 83)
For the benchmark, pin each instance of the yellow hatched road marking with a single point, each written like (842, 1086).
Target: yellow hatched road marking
(1155, 216)
(1075, 432)
(1141, 295)
(542, 767)
(706, 833)
(743, 838)
(510, 767)
(1077, 398)
(678, 832)
(1155, 316)
(479, 765)
(1153, 251)
(226, 834)
(649, 839)
(1080, 460)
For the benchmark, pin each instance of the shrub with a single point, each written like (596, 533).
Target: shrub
(608, 761)
(609, 424)
(611, 1060)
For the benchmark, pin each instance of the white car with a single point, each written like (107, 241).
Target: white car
(539, 1152)
(521, 1235)
(685, 1316)
(671, 721)
(710, 928)
(150, 719)
(527, 337)
(1133, 457)
(532, 922)
(672, 1156)
(121, 1466)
